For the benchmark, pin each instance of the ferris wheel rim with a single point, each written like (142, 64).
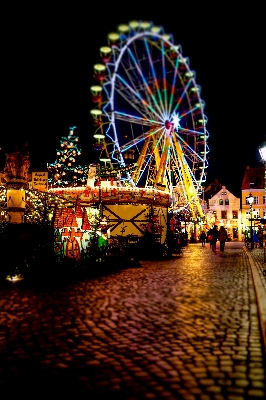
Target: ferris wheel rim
(159, 120)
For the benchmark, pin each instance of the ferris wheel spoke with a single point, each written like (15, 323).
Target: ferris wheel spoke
(122, 88)
(139, 139)
(191, 132)
(188, 151)
(155, 79)
(149, 92)
(134, 119)
(138, 96)
(164, 76)
(173, 87)
(190, 111)
(182, 96)
(135, 103)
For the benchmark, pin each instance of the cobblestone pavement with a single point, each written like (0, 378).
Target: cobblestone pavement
(186, 328)
(259, 257)
(257, 260)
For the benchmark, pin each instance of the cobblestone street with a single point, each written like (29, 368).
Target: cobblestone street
(185, 328)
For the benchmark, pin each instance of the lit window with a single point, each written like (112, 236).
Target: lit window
(224, 214)
(256, 213)
(256, 200)
(235, 214)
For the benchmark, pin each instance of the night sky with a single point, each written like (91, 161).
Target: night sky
(47, 58)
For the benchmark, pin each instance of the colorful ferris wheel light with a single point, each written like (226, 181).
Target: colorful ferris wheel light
(151, 107)
(123, 28)
(134, 24)
(176, 121)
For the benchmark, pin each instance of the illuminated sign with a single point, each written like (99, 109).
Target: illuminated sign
(40, 180)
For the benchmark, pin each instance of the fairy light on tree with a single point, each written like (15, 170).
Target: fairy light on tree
(65, 171)
(40, 207)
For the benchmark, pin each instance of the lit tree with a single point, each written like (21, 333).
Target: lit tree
(41, 206)
(65, 171)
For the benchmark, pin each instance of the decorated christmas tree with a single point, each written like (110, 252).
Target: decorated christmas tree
(65, 171)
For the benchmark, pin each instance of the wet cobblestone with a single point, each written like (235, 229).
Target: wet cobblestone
(186, 328)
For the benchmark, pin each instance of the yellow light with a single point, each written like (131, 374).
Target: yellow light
(113, 37)
(14, 278)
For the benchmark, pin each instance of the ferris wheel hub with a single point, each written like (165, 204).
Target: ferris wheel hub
(168, 125)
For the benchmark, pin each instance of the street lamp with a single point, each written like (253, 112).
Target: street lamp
(250, 200)
(262, 150)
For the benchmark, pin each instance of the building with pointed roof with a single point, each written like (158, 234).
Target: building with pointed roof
(224, 210)
(253, 184)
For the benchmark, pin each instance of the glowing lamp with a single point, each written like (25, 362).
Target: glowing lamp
(99, 71)
(156, 29)
(250, 200)
(123, 28)
(189, 74)
(145, 25)
(105, 51)
(166, 36)
(105, 160)
(96, 112)
(99, 136)
(133, 24)
(99, 68)
(262, 151)
(113, 38)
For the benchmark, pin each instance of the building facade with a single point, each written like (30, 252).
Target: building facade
(253, 184)
(224, 210)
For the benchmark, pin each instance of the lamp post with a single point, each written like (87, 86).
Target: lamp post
(262, 150)
(250, 200)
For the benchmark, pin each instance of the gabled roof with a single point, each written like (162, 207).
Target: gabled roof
(224, 191)
(253, 178)
(212, 189)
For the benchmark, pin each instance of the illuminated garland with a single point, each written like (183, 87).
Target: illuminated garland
(107, 172)
(40, 206)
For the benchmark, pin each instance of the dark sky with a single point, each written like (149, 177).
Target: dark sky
(47, 58)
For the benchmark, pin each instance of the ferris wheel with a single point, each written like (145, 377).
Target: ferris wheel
(148, 110)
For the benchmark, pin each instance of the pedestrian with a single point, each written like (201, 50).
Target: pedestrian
(260, 236)
(209, 234)
(222, 237)
(214, 235)
(255, 239)
(203, 238)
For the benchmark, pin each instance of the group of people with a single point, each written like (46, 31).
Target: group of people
(257, 235)
(212, 236)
